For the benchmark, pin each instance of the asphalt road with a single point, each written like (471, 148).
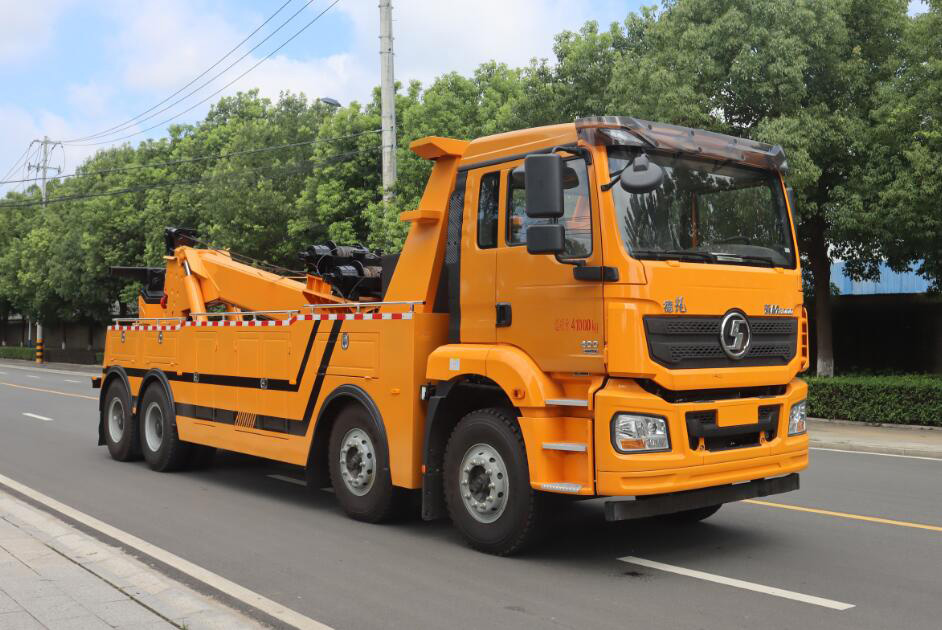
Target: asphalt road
(268, 534)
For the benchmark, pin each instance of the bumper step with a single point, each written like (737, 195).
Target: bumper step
(656, 505)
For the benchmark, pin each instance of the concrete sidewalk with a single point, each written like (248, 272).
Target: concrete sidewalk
(54, 577)
(876, 438)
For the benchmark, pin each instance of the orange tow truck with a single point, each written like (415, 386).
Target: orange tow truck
(606, 308)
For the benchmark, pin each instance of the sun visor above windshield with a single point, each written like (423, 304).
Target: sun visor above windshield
(628, 131)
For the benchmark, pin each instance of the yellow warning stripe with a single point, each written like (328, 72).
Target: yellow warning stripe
(856, 517)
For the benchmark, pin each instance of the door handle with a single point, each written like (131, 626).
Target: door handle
(504, 314)
(597, 274)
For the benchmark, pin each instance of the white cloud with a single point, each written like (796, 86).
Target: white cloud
(163, 45)
(26, 30)
(90, 99)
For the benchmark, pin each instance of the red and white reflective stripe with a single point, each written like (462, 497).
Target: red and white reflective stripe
(270, 322)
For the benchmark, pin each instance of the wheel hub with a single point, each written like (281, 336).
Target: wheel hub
(483, 483)
(357, 461)
(154, 426)
(116, 420)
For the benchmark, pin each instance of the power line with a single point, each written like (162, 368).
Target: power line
(125, 127)
(122, 191)
(195, 79)
(17, 163)
(191, 108)
(222, 156)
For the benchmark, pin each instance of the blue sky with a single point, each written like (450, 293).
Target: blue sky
(71, 68)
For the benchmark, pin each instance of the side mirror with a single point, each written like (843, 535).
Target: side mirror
(543, 175)
(642, 176)
(547, 238)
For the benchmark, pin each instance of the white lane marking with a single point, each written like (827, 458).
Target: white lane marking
(838, 450)
(251, 598)
(298, 482)
(69, 380)
(749, 586)
(295, 481)
(31, 376)
(4, 373)
(38, 417)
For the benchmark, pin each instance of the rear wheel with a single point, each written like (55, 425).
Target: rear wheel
(690, 516)
(162, 447)
(120, 426)
(487, 483)
(359, 467)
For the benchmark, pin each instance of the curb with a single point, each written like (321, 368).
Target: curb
(878, 450)
(888, 425)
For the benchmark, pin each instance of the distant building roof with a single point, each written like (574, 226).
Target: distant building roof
(889, 282)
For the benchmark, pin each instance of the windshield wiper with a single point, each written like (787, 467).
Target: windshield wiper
(763, 260)
(673, 254)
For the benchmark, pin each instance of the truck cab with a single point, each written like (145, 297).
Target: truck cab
(641, 280)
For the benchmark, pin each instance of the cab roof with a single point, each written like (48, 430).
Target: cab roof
(608, 130)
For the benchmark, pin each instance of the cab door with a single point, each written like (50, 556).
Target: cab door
(479, 255)
(540, 306)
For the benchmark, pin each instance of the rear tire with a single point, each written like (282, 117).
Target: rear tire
(359, 467)
(119, 424)
(162, 447)
(690, 516)
(487, 484)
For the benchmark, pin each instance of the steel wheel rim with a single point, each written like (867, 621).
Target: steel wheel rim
(154, 426)
(357, 462)
(483, 483)
(116, 420)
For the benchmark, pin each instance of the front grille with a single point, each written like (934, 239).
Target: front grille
(702, 425)
(685, 342)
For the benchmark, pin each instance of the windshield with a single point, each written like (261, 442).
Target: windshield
(704, 211)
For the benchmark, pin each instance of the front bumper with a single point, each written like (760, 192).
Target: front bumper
(656, 505)
(702, 455)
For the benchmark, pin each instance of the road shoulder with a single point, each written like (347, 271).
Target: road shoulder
(872, 438)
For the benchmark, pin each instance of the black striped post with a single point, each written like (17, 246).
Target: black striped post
(39, 351)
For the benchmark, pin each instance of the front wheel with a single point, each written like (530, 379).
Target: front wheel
(487, 483)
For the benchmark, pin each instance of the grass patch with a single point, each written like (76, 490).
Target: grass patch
(17, 352)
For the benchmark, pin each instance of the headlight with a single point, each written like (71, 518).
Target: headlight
(797, 418)
(635, 433)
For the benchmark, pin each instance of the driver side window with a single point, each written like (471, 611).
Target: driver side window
(577, 216)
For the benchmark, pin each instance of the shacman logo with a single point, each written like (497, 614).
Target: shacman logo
(735, 335)
(775, 309)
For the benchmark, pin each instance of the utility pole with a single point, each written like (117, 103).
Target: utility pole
(46, 147)
(387, 89)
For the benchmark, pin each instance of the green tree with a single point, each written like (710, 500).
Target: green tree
(803, 74)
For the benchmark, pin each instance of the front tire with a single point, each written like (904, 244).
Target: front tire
(487, 483)
(162, 447)
(359, 467)
(119, 424)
